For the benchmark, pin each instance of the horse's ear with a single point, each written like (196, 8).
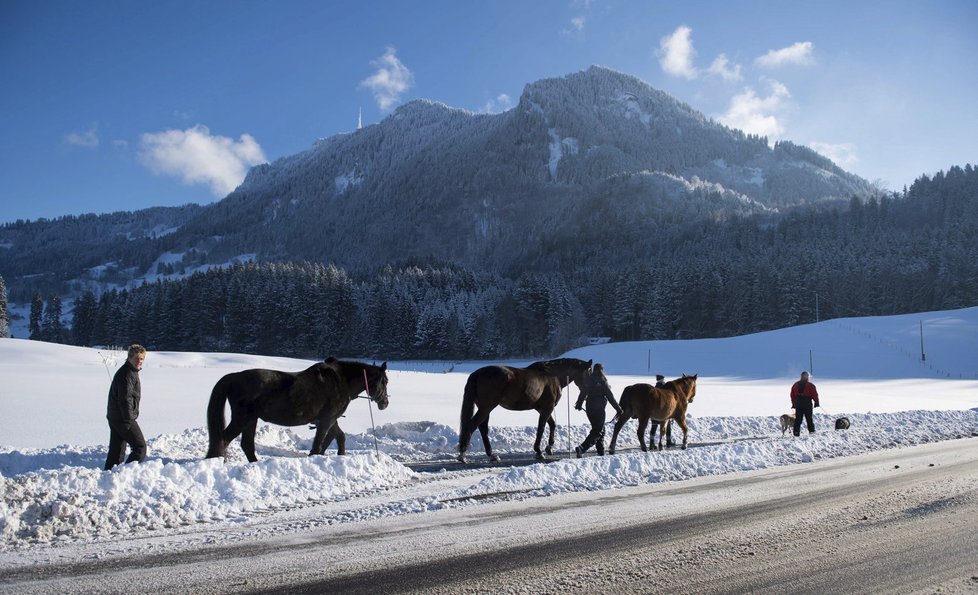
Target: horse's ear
(590, 362)
(383, 367)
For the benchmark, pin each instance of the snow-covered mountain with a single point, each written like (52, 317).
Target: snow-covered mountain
(431, 183)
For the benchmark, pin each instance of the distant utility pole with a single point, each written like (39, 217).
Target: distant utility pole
(923, 357)
(816, 306)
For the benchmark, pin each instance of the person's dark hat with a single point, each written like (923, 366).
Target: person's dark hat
(660, 377)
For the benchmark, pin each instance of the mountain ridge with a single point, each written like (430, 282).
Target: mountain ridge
(596, 149)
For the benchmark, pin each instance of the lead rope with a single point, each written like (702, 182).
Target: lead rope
(370, 407)
(568, 417)
(105, 361)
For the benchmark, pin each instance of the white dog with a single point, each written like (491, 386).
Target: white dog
(787, 421)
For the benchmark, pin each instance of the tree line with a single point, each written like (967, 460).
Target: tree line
(903, 252)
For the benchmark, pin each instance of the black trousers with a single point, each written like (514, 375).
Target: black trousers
(803, 408)
(596, 435)
(124, 434)
(653, 424)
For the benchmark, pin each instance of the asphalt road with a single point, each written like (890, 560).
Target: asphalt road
(893, 521)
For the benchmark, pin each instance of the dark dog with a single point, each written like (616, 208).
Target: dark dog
(787, 421)
(842, 423)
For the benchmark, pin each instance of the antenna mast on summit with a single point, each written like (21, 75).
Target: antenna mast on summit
(360, 119)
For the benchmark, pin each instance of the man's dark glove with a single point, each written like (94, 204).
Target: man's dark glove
(578, 407)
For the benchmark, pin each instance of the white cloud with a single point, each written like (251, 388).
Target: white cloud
(800, 53)
(197, 157)
(577, 24)
(676, 53)
(841, 154)
(501, 103)
(759, 115)
(87, 139)
(391, 79)
(721, 68)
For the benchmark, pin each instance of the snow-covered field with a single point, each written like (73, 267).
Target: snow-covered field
(53, 435)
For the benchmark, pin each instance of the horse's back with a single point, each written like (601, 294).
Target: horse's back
(489, 376)
(517, 389)
(649, 401)
(254, 383)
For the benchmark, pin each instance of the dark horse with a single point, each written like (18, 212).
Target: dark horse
(320, 394)
(537, 386)
(644, 402)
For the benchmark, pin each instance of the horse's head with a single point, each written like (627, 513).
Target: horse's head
(579, 372)
(566, 370)
(377, 384)
(689, 384)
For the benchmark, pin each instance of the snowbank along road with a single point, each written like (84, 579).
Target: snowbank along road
(898, 520)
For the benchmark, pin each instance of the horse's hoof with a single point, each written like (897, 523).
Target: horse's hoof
(494, 458)
(540, 457)
(684, 447)
(549, 450)
(461, 459)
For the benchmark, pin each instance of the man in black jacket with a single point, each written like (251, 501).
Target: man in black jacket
(123, 409)
(597, 394)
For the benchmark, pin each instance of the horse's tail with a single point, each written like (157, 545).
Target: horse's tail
(215, 418)
(468, 410)
(625, 402)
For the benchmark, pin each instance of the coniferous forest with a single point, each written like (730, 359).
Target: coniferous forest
(911, 251)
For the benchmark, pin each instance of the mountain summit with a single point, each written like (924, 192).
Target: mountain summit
(432, 182)
(587, 170)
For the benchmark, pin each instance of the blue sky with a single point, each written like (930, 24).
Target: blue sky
(122, 105)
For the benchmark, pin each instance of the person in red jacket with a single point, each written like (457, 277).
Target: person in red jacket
(804, 398)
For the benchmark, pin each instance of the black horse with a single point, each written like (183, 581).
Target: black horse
(320, 394)
(538, 386)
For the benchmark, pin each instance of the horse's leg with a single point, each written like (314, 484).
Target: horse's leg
(622, 420)
(324, 427)
(234, 427)
(682, 424)
(248, 439)
(340, 437)
(484, 431)
(536, 444)
(643, 423)
(479, 420)
(553, 426)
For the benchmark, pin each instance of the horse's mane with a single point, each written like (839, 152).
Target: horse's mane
(549, 364)
(680, 383)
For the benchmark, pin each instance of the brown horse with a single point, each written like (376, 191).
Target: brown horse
(538, 386)
(644, 402)
(320, 393)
